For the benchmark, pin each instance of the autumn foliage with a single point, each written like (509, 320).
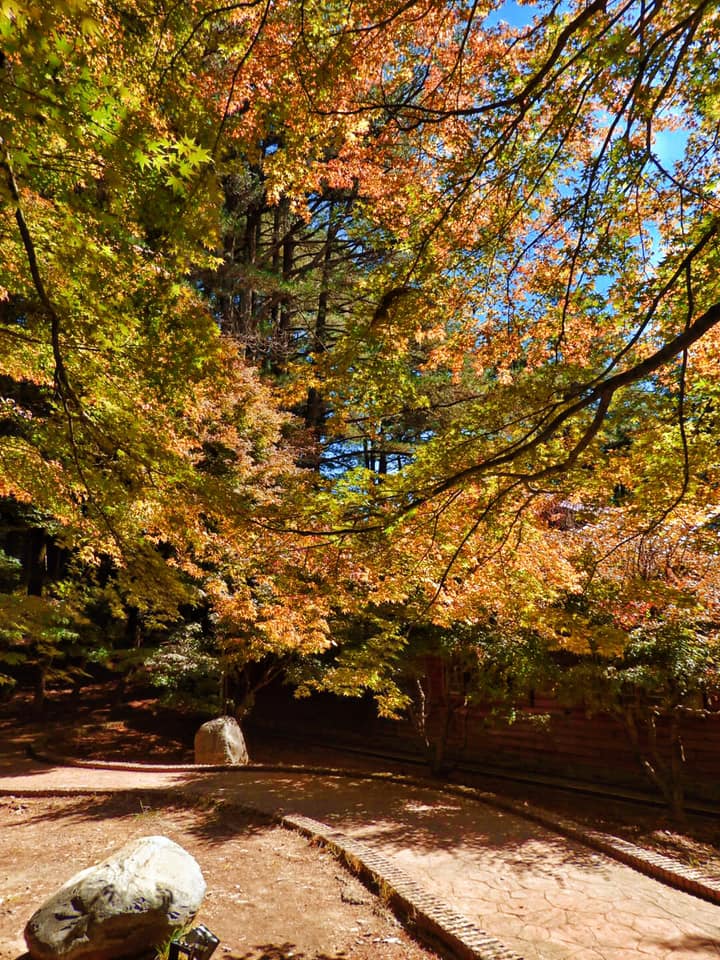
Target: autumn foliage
(324, 313)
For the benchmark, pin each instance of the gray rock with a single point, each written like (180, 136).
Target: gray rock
(121, 907)
(221, 741)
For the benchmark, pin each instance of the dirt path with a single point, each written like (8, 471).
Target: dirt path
(270, 894)
(542, 895)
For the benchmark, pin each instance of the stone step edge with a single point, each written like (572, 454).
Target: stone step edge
(657, 866)
(39, 752)
(433, 922)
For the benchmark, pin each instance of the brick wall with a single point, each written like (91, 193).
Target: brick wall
(556, 741)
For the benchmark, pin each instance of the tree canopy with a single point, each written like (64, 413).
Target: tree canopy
(310, 310)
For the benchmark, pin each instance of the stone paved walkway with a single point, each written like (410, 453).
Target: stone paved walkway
(545, 897)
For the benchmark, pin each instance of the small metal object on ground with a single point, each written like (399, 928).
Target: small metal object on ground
(198, 944)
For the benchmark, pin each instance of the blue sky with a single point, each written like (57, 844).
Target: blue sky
(514, 14)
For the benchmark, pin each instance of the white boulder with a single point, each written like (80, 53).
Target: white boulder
(121, 907)
(221, 741)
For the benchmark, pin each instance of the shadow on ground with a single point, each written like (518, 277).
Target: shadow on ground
(703, 946)
(282, 951)
(400, 817)
(212, 822)
(373, 811)
(264, 951)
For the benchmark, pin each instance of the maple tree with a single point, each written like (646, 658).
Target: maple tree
(561, 267)
(310, 310)
(642, 636)
(546, 327)
(132, 427)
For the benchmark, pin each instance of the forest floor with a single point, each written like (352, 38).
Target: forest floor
(143, 731)
(272, 895)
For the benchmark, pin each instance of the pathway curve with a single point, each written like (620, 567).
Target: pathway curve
(544, 896)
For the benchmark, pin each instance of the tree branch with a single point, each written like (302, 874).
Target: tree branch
(603, 394)
(62, 383)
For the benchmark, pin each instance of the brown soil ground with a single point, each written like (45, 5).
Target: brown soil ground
(141, 730)
(272, 896)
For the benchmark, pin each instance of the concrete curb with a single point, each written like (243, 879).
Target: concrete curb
(429, 919)
(657, 866)
(432, 921)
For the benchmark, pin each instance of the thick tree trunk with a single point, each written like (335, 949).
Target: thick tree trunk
(315, 404)
(40, 698)
(417, 712)
(677, 771)
(438, 765)
(667, 779)
(35, 562)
